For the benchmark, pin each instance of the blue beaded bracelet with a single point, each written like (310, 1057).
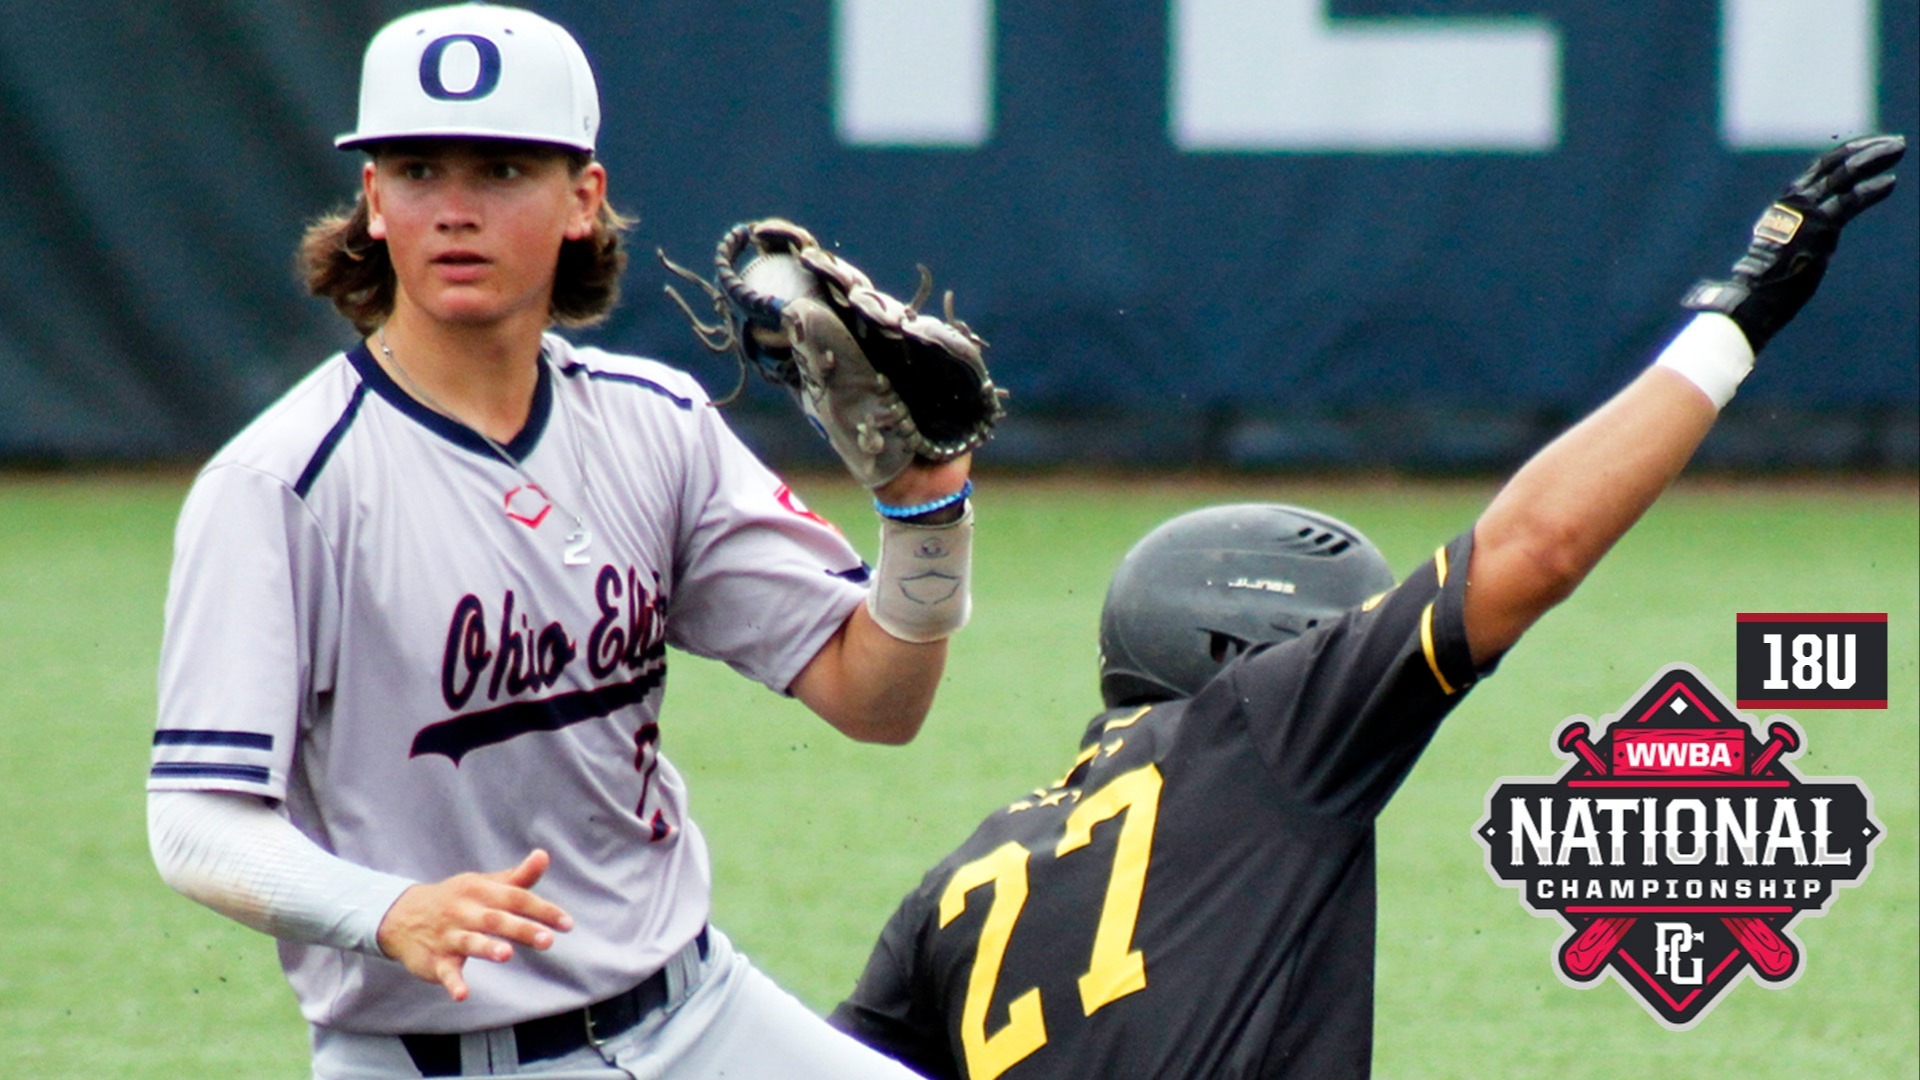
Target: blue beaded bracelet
(899, 513)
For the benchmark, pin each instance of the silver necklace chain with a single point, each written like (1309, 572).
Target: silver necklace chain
(580, 538)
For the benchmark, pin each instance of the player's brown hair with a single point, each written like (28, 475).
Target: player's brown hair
(339, 260)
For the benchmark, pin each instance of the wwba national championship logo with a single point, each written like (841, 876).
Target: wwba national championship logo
(1678, 846)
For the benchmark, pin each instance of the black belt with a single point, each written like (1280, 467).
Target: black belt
(553, 1036)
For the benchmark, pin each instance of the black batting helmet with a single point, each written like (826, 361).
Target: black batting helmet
(1202, 588)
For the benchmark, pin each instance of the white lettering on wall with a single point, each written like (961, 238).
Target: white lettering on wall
(1280, 75)
(1797, 73)
(1260, 76)
(913, 72)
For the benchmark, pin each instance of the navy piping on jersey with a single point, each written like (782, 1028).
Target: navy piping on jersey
(245, 740)
(325, 451)
(858, 575)
(376, 378)
(171, 770)
(576, 368)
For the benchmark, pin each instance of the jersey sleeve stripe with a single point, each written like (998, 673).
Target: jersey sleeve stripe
(177, 770)
(327, 445)
(1440, 565)
(1426, 647)
(247, 740)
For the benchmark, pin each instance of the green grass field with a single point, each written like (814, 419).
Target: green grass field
(108, 973)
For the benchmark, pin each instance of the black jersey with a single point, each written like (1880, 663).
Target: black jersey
(1195, 896)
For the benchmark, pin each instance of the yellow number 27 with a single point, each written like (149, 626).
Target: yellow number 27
(1115, 968)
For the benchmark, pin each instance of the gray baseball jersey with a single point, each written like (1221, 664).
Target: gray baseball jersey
(377, 621)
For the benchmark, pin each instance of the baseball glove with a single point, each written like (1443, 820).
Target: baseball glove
(883, 382)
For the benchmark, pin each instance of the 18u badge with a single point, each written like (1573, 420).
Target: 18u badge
(1678, 846)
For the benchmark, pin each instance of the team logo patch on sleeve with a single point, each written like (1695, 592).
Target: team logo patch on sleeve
(1678, 846)
(789, 499)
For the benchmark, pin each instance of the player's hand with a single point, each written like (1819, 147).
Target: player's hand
(926, 481)
(433, 928)
(1794, 238)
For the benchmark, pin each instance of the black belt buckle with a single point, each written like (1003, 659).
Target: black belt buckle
(618, 1014)
(593, 1038)
(553, 1036)
(599, 1023)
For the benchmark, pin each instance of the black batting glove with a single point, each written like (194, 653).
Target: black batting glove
(1796, 236)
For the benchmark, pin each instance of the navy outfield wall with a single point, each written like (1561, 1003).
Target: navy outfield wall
(1272, 231)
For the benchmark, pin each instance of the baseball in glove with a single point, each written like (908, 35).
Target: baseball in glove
(882, 381)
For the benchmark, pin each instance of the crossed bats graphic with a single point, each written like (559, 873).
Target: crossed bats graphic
(1589, 949)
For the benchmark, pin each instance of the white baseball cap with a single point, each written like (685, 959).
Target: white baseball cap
(479, 71)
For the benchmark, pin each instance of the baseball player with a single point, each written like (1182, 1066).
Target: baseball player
(1194, 896)
(416, 632)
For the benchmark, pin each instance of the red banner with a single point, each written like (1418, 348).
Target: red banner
(1658, 752)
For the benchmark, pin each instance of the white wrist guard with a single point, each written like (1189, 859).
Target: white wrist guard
(1712, 353)
(922, 589)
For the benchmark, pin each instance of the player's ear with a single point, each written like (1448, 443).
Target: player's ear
(370, 190)
(588, 192)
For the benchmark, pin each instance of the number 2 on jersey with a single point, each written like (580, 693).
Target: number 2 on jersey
(1114, 969)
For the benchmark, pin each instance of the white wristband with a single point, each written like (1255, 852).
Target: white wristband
(1712, 353)
(921, 590)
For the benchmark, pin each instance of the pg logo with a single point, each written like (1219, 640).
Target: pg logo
(1679, 847)
(1672, 942)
